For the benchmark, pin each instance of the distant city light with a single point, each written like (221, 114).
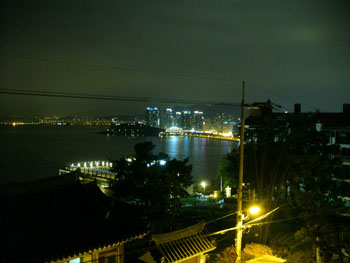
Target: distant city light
(162, 162)
(227, 134)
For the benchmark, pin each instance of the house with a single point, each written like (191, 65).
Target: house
(187, 245)
(335, 124)
(61, 220)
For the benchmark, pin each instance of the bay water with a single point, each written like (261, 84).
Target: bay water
(35, 152)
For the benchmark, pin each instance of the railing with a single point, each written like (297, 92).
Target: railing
(101, 172)
(92, 164)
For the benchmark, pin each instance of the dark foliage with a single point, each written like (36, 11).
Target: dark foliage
(294, 167)
(154, 181)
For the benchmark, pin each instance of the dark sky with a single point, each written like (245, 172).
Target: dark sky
(289, 51)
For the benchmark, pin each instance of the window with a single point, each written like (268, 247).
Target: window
(346, 151)
(112, 259)
(108, 259)
(110, 256)
(75, 260)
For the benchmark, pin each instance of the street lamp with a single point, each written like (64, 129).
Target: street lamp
(203, 184)
(254, 210)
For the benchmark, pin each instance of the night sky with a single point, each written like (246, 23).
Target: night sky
(289, 51)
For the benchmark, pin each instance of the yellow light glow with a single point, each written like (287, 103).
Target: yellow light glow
(254, 210)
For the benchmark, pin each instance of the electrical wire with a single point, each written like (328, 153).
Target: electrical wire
(221, 218)
(275, 221)
(229, 235)
(297, 217)
(56, 94)
(117, 68)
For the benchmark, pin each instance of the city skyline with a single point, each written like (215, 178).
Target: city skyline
(290, 52)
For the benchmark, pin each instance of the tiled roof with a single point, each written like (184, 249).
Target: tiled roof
(51, 223)
(183, 244)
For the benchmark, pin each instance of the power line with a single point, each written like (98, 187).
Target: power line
(248, 224)
(217, 219)
(117, 68)
(55, 94)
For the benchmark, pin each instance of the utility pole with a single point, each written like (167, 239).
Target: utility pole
(239, 230)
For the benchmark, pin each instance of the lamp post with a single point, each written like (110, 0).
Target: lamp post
(239, 221)
(203, 184)
(254, 210)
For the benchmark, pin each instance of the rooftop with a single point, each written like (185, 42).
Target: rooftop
(58, 217)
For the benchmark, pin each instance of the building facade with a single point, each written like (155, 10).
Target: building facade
(153, 117)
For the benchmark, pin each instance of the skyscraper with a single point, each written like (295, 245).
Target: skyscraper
(178, 119)
(186, 120)
(198, 120)
(167, 118)
(152, 117)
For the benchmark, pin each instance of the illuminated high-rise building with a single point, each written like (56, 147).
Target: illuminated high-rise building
(153, 117)
(167, 118)
(186, 120)
(223, 122)
(178, 119)
(198, 120)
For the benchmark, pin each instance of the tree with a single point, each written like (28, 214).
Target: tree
(254, 250)
(154, 181)
(289, 165)
(228, 167)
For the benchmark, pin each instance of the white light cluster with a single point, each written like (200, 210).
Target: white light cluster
(92, 164)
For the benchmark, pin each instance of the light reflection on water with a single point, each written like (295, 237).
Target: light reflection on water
(33, 152)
